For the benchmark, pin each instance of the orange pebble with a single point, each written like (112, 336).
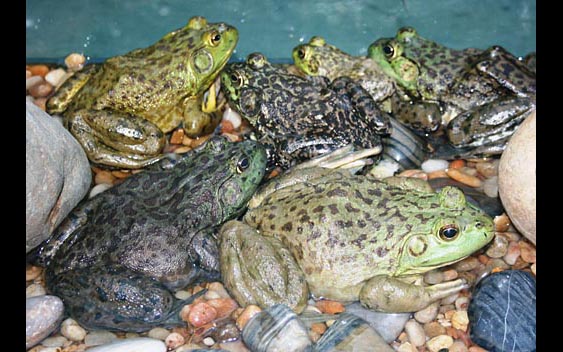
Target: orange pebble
(248, 312)
(201, 314)
(38, 70)
(464, 178)
(456, 164)
(223, 306)
(177, 136)
(451, 331)
(104, 177)
(41, 102)
(227, 126)
(330, 307)
(120, 174)
(437, 174)
(319, 328)
(483, 259)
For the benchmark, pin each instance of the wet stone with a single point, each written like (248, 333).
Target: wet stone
(388, 325)
(140, 344)
(43, 315)
(99, 337)
(502, 312)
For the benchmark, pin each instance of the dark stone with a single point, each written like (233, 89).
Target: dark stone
(502, 312)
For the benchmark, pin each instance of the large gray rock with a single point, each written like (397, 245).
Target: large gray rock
(517, 178)
(43, 315)
(58, 174)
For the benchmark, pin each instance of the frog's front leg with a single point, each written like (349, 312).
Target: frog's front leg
(388, 294)
(489, 123)
(116, 139)
(115, 298)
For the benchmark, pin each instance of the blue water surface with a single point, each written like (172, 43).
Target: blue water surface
(104, 28)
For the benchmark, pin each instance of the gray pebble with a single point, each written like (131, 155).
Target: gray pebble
(415, 333)
(467, 264)
(427, 314)
(388, 325)
(43, 315)
(140, 344)
(498, 247)
(490, 187)
(99, 337)
(34, 290)
(55, 341)
(433, 277)
(158, 333)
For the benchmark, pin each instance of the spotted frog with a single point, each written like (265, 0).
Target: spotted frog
(297, 118)
(120, 110)
(349, 237)
(484, 94)
(118, 254)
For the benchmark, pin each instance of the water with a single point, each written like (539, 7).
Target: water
(104, 28)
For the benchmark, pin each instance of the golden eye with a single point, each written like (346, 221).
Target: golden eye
(449, 232)
(242, 165)
(215, 38)
(388, 51)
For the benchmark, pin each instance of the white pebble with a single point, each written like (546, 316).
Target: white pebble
(209, 295)
(432, 165)
(461, 303)
(72, 331)
(182, 294)
(232, 116)
(50, 349)
(99, 337)
(384, 168)
(34, 290)
(55, 341)
(415, 333)
(141, 344)
(99, 188)
(208, 341)
(174, 340)
(427, 314)
(490, 186)
(55, 77)
(437, 343)
(159, 333)
(33, 81)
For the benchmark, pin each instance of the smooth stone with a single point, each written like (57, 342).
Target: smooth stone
(502, 312)
(140, 344)
(34, 290)
(277, 328)
(55, 341)
(517, 178)
(43, 314)
(351, 333)
(58, 174)
(388, 325)
(432, 165)
(99, 337)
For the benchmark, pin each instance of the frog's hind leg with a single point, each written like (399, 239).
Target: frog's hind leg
(115, 298)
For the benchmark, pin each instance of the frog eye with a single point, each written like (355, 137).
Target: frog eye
(242, 164)
(301, 53)
(214, 38)
(388, 50)
(236, 79)
(449, 232)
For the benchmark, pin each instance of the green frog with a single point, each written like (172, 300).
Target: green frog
(484, 94)
(297, 118)
(116, 257)
(121, 110)
(349, 237)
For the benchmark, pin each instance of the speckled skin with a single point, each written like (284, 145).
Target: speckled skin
(297, 118)
(484, 94)
(355, 237)
(120, 110)
(117, 255)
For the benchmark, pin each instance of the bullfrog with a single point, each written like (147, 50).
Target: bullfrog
(348, 237)
(121, 110)
(484, 94)
(116, 257)
(298, 118)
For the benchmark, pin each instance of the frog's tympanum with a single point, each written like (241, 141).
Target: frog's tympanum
(120, 110)
(349, 237)
(117, 256)
(298, 118)
(484, 94)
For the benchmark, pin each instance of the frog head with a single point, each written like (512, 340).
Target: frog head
(317, 58)
(238, 81)
(451, 230)
(197, 52)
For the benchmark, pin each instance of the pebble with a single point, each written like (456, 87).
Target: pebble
(219, 289)
(490, 187)
(437, 174)
(457, 164)
(450, 274)
(55, 341)
(384, 168)
(182, 150)
(223, 306)
(458, 346)
(75, 61)
(182, 294)
(460, 320)
(40, 103)
(99, 337)
(158, 333)
(97, 189)
(208, 341)
(33, 81)
(439, 342)
(533, 268)
(414, 173)
(477, 349)
(41, 90)
(248, 312)
(466, 264)
(72, 331)
(38, 70)
(56, 77)
(433, 277)
(200, 314)
(104, 176)
(502, 312)
(427, 314)
(233, 117)
(32, 272)
(50, 349)
(34, 290)
(432, 165)
(488, 169)
(433, 329)
(140, 344)
(461, 303)
(330, 307)
(388, 325)
(415, 333)
(177, 136)
(464, 178)
(527, 252)
(449, 299)
(42, 316)
(406, 347)
(498, 247)
(502, 223)
(174, 340)
(512, 253)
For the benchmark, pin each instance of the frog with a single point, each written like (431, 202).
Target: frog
(297, 118)
(343, 236)
(117, 258)
(120, 110)
(484, 95)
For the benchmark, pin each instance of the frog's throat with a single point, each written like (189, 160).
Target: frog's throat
(421, 269)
